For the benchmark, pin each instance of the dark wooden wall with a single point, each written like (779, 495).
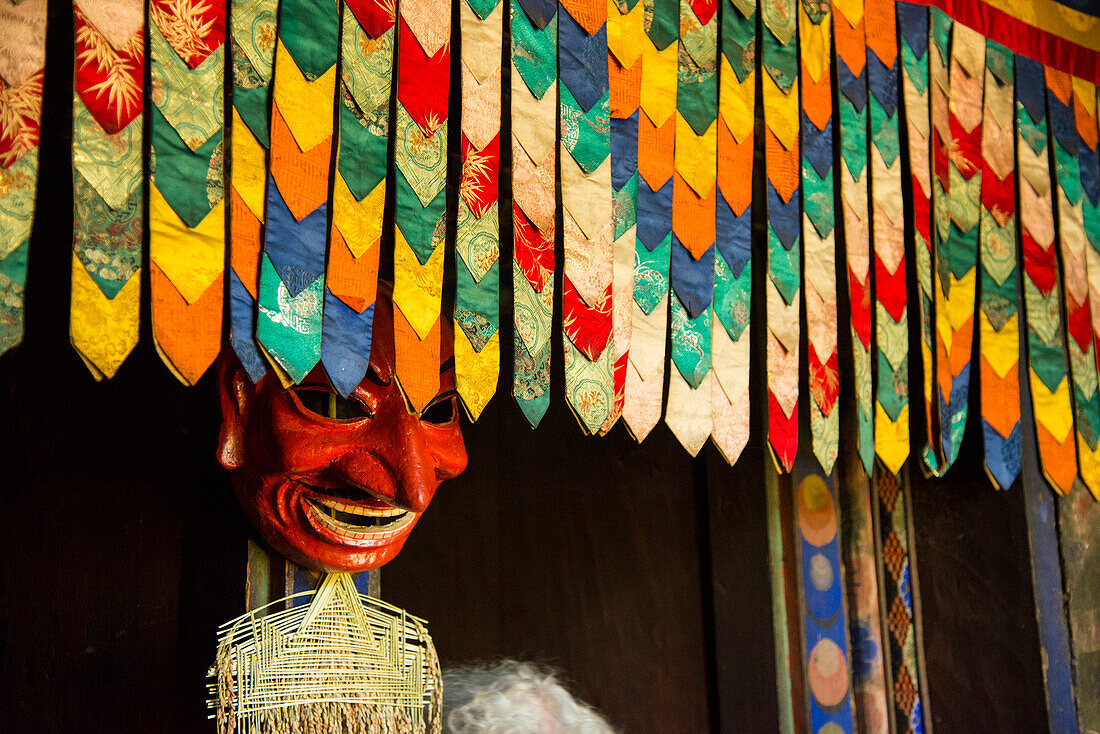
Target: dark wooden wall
(639, 571)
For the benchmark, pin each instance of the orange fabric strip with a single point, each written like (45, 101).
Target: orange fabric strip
(1060, 83)
(244, 249)
(354, 280)
(850, 42)
(783, 167)
(591, 14)
(1059, 459)
(734, 169)
(656, 146)
(1001, 398)
(878, 17)
(961, 343)
(817, 98)
(417, 361)
(185, 333)
(1086, 124)
(693, 217)
(626, 86)
(302, 176)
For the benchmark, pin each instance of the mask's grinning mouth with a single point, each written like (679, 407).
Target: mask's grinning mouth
(356, 522)
(356, 517)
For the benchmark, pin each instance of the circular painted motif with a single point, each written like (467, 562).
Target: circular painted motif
(828, 673)
(821, 572)
(816, 511)
(831, 728)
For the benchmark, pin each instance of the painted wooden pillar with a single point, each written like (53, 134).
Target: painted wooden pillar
(905, 653)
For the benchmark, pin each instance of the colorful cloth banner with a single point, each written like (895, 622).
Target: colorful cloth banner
(186, 186)
(1000, 323)
(252, 45)
(625, 44)
(534, 27)
(887, 231)
(1046, 345)
(913, 26)
(1068, 148)
(784, 206)
(692, 270)
(815, 40)
(731, 335)
(851, 100)
(420, 151)
(477, 294)
(359, 190)
(585, 164)
(292, 268)
(22, 61)
(656, 144)
(107, 173)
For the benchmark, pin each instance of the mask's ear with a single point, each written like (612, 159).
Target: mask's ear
(235, 392)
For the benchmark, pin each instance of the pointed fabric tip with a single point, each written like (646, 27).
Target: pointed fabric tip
(417, 360)
(289, 327)
(1002, 455)
(345, 343)
(688, 413)
(185, 337)
(476, 372)
(242, 319)
(692, 280)
(866, 439)
(782, 434)
(296, 248)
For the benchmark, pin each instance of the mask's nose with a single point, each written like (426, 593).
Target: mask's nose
(402, 458)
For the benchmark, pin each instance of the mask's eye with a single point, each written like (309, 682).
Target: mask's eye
(442, 410)
(327, 404)
(376, 379)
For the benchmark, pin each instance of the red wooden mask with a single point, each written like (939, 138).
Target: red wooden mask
(337, 484)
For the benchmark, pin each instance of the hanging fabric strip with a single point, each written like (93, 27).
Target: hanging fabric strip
(887, 227)
(781, 118)
(906, 656)
(625, 44)
(815, 41)
(292, 268)
(359, 189)
(730, 355)
(939, 36)
(913, 24)
(1046, 346)
(420, 149)
(851, 97)
(107, 177)
(534, 30)
(957, 140)
(1070, 224)
(1000, 324)
(692, 269)
(252, 28)
(826, 655)
(186, 187)
(584, 111)
(1088, 156)
(477, 296)
(656, 144)
(23, 28)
